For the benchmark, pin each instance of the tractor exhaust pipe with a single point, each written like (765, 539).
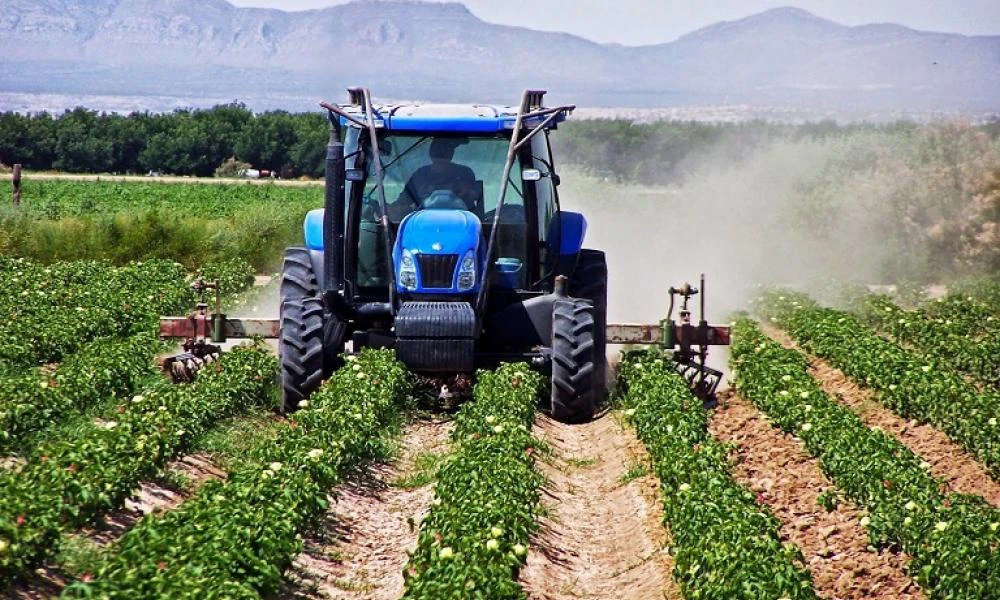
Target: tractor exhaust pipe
(333, 216)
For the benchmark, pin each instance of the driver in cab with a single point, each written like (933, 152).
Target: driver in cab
(440, 184)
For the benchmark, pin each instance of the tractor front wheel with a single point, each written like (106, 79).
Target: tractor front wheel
(300, 350)
(573, 365)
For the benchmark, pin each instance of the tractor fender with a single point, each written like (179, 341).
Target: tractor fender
(523, 324)
(568, 231)
(572, 230)
(313, 230)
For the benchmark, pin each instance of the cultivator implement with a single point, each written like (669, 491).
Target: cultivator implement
(203, 334)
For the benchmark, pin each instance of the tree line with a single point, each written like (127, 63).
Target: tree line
(184, 142)
(199, 141)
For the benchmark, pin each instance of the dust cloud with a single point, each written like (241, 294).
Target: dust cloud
(804, 211)
(260, 302)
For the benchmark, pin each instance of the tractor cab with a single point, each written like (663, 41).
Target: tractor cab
(441, 211)
(442, 173)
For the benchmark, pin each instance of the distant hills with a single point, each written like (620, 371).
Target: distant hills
(199, 49)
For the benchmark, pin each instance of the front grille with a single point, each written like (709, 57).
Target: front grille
(437, 270)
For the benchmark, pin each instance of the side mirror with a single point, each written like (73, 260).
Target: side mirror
(531, 175)
(555, 179)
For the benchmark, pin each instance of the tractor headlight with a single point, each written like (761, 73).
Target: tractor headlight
(467, 272)
(408, 271)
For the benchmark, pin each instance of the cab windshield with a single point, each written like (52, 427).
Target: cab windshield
(433, 171)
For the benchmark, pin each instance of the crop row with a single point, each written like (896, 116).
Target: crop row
(68, 483)
(54, 309)
(474, 540)
(953, 539)
(985, 290)
(915, 387)
(105, 369)
(726, 545)
(234, 538)
(964, 315)
(938, 337)
(55, 199)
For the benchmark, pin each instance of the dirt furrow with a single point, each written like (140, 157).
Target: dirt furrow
(359, 548)
(948, 461)
(602, 534)
(789, 482)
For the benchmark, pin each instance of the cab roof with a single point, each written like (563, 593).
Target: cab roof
(449, 118)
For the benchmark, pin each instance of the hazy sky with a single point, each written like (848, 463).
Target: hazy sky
(636, 22)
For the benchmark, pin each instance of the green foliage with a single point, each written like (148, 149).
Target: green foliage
(69, 483)
(234, 538)
(424, 471)
(948, 331)
(106, 368)
(125, 221)
(474, 540)
(953, 538)
(57, 308)
(984, 289)
(915, 387)
(185, 142)
(233, 275)
(726, 544)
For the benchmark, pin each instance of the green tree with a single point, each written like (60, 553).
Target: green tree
(80, 145)
(267, 140)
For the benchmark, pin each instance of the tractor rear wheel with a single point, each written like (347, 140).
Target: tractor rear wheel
(573, 360)
(590, 282)
(298, 281)
(300, 350)
(297, 277)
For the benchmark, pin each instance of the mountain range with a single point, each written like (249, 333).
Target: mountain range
(192, 49)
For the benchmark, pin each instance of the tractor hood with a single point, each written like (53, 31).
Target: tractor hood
(439, 231)
(432, 249)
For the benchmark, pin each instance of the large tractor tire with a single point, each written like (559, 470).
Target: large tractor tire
(300, 350)
(590, 282)
(297, 277)
(298, 281)
(573, 360)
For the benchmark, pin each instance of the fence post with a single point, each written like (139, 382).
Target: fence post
(17, 185)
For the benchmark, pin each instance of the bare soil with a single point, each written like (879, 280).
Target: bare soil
(789, 482)
(359, 548)
(602, 535)
(949, 462)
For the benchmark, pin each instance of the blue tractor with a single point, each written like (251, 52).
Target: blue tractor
(442, 237)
